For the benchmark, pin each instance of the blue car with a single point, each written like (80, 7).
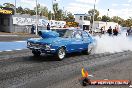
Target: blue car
(61, 42)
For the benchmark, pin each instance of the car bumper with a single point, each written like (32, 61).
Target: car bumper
(49, 51)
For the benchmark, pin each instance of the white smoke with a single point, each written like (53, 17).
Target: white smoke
(113, 44)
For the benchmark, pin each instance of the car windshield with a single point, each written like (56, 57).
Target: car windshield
(60, 31)
(68, 34)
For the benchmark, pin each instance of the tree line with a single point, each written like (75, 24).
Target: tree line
(105, 18)
(59, 14)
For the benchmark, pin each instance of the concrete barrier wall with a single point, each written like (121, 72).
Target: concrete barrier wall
(26, 28)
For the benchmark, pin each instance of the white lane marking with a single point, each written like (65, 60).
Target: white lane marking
(10, 50)
(19, 41)
(14, 41)
(8, 35)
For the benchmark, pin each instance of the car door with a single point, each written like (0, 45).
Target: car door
(77, 41)
(86, 39)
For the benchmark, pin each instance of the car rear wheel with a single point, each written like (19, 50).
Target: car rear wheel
(36, 53)
(89, 49)
(61, 53)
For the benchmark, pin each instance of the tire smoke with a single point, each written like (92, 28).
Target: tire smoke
(112, 44)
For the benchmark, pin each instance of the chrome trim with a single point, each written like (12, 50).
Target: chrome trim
(41, 48)
(52, 49)
(80, 48)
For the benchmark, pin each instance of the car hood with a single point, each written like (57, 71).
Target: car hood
(48, 40)
(48, 34)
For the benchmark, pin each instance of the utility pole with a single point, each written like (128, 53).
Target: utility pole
(107, 17)
(51, 10)
(15, 6)
(63, 14)
(36, 31)
(93, 17)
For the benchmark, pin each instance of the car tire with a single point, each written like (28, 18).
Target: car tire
(36, 53)
(61, 53)
(89, 49)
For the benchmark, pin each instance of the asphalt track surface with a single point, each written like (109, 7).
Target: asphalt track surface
(20, 69)
(18, 37)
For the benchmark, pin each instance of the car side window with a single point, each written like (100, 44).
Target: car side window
(77, 35)
(85, 34)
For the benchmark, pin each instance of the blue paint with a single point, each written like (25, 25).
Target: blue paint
(12, 45)
(73, 40)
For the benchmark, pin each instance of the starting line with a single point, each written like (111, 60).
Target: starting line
(10, 50)
(8, 35)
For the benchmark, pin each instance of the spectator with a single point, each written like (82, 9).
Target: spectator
(48, 27)
(128, 31)
(102, 30)
(109, 31)
(32, 29)
(115, 31)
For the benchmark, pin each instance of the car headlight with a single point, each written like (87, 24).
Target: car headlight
(47, 47)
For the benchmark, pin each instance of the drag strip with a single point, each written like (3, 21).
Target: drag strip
(25, 70)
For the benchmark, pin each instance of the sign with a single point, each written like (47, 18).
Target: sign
(41, 22)
(29, 21)
(55, 23)
(8, 11)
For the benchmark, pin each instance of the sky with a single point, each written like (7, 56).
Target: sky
(121, 8)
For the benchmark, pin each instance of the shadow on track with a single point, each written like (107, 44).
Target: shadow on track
(50, 58)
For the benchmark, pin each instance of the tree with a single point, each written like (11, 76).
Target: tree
(26, 11)
(41, 10)
(32, 12)
(128, 22)
(44, 11)
(99, 18)
(96, 14)
(59, 15)
(49, 15)
(20, 10)
(69, 17)
(105, 18)
(8, 5)
(55, 9)
(118, 20)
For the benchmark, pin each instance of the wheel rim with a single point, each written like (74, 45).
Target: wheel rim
(89, 48)
(61, 53)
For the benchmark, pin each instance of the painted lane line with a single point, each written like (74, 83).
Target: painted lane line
(8, 35)
(19, 41)
(10, 50)
(14, 41)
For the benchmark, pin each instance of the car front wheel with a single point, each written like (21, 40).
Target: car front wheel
(61, 53)
(36, 53)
